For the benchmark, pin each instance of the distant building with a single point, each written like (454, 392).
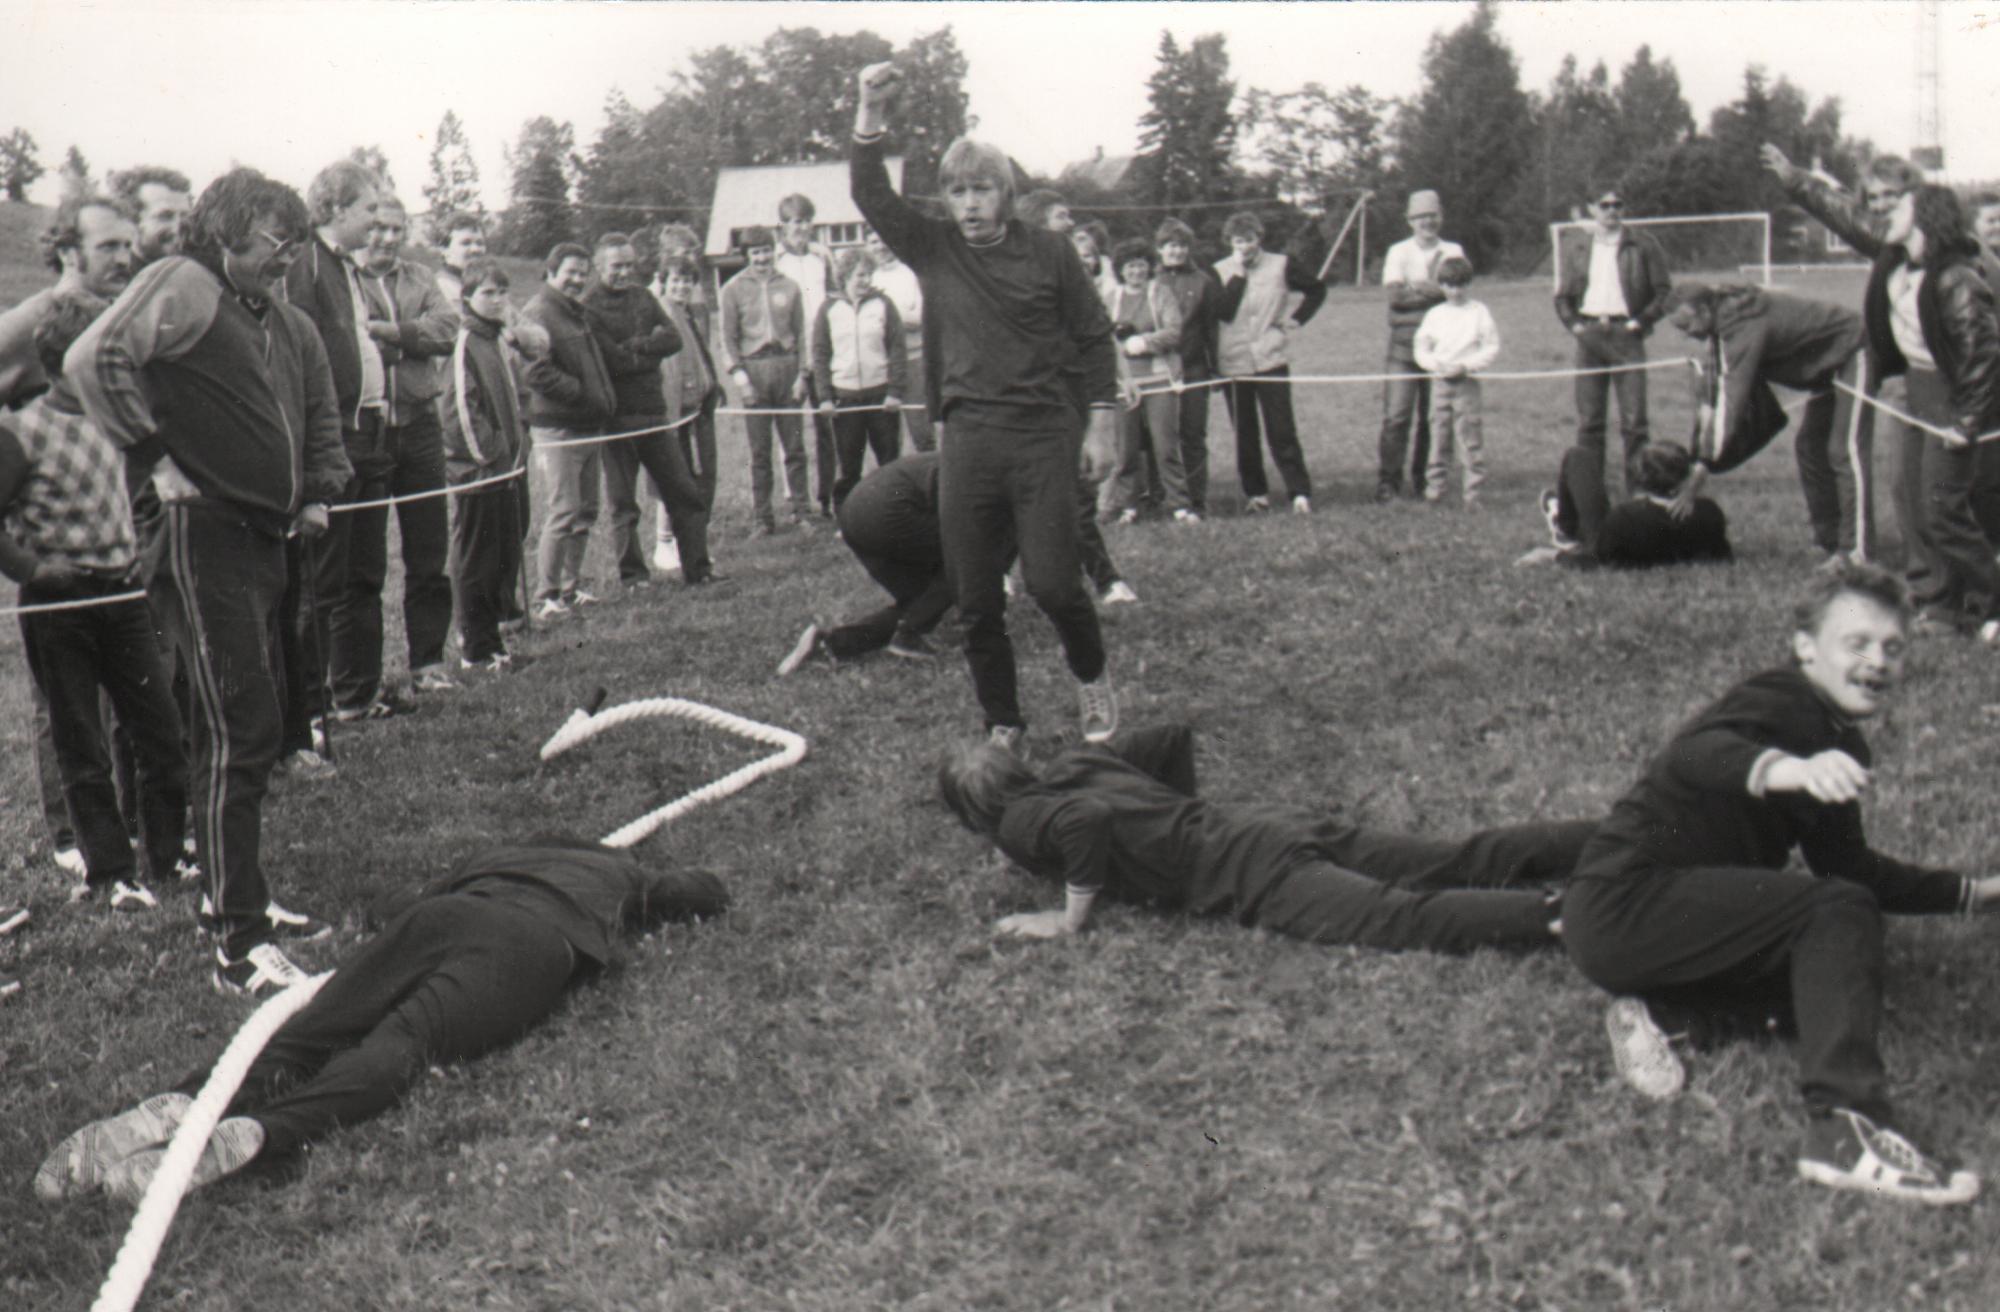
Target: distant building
(748, 197)
(1105, 172)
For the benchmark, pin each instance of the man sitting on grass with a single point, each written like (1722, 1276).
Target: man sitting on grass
(1123, 819)
(481, 957)
(1682, 904)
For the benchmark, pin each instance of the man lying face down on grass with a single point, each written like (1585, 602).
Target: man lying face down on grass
(1123, 819)
(1665, 522)
(482, 956)
(1683, 905)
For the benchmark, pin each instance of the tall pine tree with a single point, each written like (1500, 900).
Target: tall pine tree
(454, 174)
(1188, 132)
(539, 213)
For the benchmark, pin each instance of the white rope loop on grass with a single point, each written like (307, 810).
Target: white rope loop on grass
(134, 1266)
(584, 725)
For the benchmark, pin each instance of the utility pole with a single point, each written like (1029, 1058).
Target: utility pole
(1928, 152)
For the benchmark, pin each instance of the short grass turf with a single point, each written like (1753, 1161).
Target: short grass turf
(846, 1095)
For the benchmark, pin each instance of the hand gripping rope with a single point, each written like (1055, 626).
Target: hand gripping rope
(134, 1265)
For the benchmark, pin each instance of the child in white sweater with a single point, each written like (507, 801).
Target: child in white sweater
(1456, 342)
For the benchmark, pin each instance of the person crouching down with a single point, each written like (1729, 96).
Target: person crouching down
(481, 957)
(1124, 820)
(1683, 907)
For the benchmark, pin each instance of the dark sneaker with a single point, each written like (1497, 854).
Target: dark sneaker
(911, 647)
(1846, 1150)
(86, 1159)
(1097, 705)
(1384, 493)
(262, 968)
(801, 652)
(234, 1145)
(1641, 1051)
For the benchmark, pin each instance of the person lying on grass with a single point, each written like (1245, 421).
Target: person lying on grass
(1666, 523)
(1123, 820)
(1683, 907)
(478, 959)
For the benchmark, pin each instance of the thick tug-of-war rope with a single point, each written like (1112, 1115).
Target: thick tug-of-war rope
(134, 1265)
(587, 722)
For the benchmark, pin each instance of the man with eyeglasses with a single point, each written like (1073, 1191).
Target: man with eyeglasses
(1861, 224)
(1612, 290)
(200, 371)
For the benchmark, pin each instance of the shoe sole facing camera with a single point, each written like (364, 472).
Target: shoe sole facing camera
(85, 1160)
(1640, 1051)
(235, 1143)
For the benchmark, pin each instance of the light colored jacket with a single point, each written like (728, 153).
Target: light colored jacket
(1256, 340)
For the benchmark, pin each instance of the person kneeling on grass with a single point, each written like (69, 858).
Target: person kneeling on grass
(1682, 905)
(890, 522)
(481, 957)
(1123, 819)
(1667, 523)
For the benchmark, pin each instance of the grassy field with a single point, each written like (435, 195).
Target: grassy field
(846, 1095)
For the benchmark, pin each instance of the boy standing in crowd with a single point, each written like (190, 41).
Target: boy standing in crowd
(1195, 296)
(570, 396)
(859, 370)
(1455, 343)
(897, 281)
(1410, 277)
(810, 266)
(763, 327)
(1258, 315)
(1145, 322)
(692, 391)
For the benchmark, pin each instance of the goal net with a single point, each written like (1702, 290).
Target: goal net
(1721, 247)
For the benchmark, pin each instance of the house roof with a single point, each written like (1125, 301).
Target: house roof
(750, 194)
(1106, 171)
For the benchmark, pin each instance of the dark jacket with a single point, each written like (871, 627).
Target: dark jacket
(570, 386)
(584, 891)
(480, 410)
(688, 378)
(634, 334)
(1701, 803)
(317, 284)
(236, 392)
(1763, 337)
(1199, 297)
(1002, 323)
(1642, 533)
(1642, 276)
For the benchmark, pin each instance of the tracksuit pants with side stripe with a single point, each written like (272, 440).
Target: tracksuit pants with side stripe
(229, 573)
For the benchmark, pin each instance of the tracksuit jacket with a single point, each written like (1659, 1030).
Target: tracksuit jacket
(1762, 338)
(481, 404)
(858, 348)
(235, 392)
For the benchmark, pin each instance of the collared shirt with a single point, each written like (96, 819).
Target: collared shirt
(1904, 284)
(374, 377)
(1603, 292)
(71, 503)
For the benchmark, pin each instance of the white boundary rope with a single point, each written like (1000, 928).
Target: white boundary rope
(134, 1265)
(584, 725)
(1501, 375)
(407, 497)
(45, 607)
(1949, 436)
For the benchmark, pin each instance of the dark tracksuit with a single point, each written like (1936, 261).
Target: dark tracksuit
(1124, 818)
(1198, 295)
(237, 393)
(483, 956)
(1683, 895)
(1637, 533)
(890, 522)
(1001, 323)
(481, 407)
(635, 335)
(1764, 337)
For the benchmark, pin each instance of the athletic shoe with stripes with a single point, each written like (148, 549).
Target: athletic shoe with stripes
(234, 1145)
(1846, 1150)
(262, 967)
(86, 1159)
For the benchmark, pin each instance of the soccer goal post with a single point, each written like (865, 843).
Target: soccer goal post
(1725, 247)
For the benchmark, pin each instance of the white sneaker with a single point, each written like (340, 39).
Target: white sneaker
(1846, 1150)
(1097, 704)
(235, 1143)
(1128, 516)
(1007, 736)
(667, 556)
(84, 1161)
(1119, 594)
(1257, 505)
(551, 608)
(1302, 505)
(583, 597)
(71, 859)
(262, 967)
(132, 895)
(1186, 516)
(1640, 1050)
(432, 678)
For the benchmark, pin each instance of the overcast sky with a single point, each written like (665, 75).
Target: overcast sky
(287, 85)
